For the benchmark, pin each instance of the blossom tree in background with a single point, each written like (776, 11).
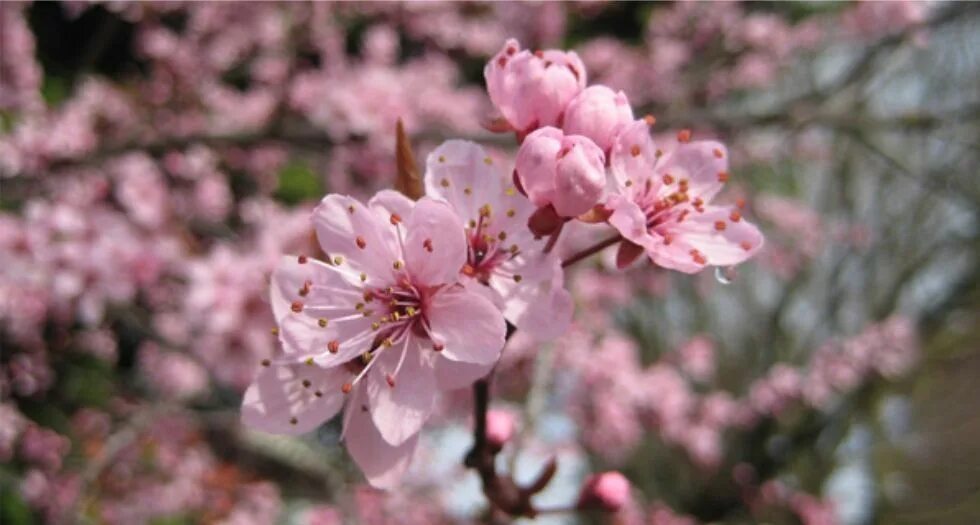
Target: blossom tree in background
(661, 263)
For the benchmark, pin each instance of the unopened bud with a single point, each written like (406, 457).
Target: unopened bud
(608, 491)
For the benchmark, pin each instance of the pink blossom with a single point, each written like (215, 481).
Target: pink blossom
(663, 199)
(383, 325)
(564, 172)
(531, 90)
(598, 113)
(697, 358)
(607, 490)
(504, 261)
(500, 427)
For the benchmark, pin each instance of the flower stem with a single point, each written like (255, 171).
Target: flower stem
(591, 250)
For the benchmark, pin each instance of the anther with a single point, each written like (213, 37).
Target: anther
(487, 160)
(346, 388)
(444, 183)
(293, 421)
(427, 244)
(350, 208)
(485, 210)
(442, 158)
(375, 325)
(514, 249)
(361, 243)
(333, 346)
(635, 150)
(539, 53)
(391, 380)
(309, 361)
(397, 265)
(368, 296)
(511, 212)
(698, 257)
(301, 259)
(274, 330)
(306, 383)
(735, 216)
(502, 236)
(363, 277)
(722, 176)
(668, 179)
(318, 393)
(718, 153)
(395, 219)
(359, 306)
(629, 183)
(720, 225)
(659, 153)
(322, 322)
(438, 347)
(305, 290)
(510, 192)
(650, 119)
(338, 260)
(471, 224)
(684, 136)
(468, 191)
(266, 362)
(469, 270)
(740, 203)
(296, 306)
(745, 245)
(518, 278)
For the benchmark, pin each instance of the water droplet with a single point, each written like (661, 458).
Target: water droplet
(725, 274)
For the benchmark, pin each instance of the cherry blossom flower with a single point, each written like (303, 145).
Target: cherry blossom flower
(563, 175)
(504, 261)
(598, 113)
(531, 90)
(384, 324)
(662, 205)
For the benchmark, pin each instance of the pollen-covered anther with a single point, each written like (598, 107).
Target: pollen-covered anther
(333, 346)
(650, 119)
(471, 224)
(735, 216)
(518, 278)
(359, 306)
(390, 379)
(395, 219)
(635, 150)
(361, 243)
(274, 330)
(305, 290)
(723, 176)
(322, 322)
(266, 362)
(629, 183)
(350, 209)
(514, 249)
(346, 388)
(684, 136)
(740, 203)
(502, 236)
(468, 190)
(363, 277)
(745, 245)
(438, 347)
(720, 225)
(659, 153)
(444, 182)
(338, 260)
(469, 270)
(309, 361)
(487, 160)
(306, 383)
(718, 153)
(375, 325)
(302, 259)
(397, 265)
(698, 257)
(442, 158)
(318, 393)
(485, 210)
(511, 212)
(668, 179)
(427, 244)
(293, 421)
(410, 311)
(296, 306)
(387, 342)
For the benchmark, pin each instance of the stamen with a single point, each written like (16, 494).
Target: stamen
(395, 219)
(718, 153)
(511, 212)
(720, 225)
(274, 330)
(635, 150)
(668, 179)
(650, 119)
(322, 322)
(442, 158)
(745, 245)
(333, 346)
(301, 259)
(684, 136)
(346, 388)
(487, 160)
(266, 362)
(361, 243)
(296, 306)
(363, 277)
(427, 244)
(518, 278)
(397, 265)
(306, 383)
(293, 421)
(698, 257)
(723, 176)
(444, 182)
(338, 260)
(350, 208)
(735, 216)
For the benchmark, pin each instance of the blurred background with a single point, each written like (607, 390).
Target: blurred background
(157, 158)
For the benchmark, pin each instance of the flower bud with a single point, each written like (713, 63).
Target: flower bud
(500, 427)
(531, 90)
(598, 113)
(566, 171)
(608, 491)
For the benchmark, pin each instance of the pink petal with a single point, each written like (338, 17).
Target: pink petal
(453, 375)
(580, 176)
(399, 411)
(735, 243)
(536, 166)
(629, 221)
(382, 464)
(366, 242)
(386, 202)
(461, 173)
(278, 402)
(539, 304)
(435, 245)
(633, 157)
(468, 325)
(703, 163)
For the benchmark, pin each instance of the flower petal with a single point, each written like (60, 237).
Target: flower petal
(468, 325)
(539, 304)
(633, 158)
(382, 464)
(399, 411)
(348, 229)
(461, 173)
(715, 236)
(453, 375)
(284, 399)
(704, 164)
(435, 245)
(386, 202)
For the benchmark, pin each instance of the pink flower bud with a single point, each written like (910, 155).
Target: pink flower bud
(500, 427)
(566, 171)
(598, 113)
(608, 491)
(531, 90)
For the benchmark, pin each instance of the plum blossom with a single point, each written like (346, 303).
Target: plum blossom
(662, 202)
(531, 90)
(383, 325)
(598, 113)
(504, 260)
(563, 175)
(607, 490)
